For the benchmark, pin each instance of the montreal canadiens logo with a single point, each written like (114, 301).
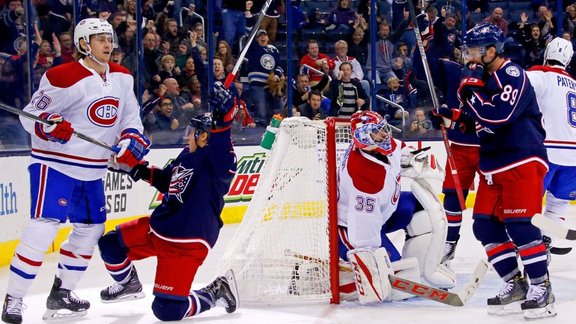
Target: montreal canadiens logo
(104, 111)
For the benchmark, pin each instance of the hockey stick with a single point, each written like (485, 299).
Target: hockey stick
(232, 75)
(436, 104)
(458, 298)
(550, 226)
(47, 122)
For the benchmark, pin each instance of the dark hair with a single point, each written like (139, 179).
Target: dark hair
(315, 92)
(345, 63)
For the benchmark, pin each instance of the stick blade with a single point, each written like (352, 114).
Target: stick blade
(550, 226)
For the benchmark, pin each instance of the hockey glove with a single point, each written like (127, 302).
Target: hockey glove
(444, 115)
(60, 131)
(222, 106)
(141, 171)
(473, 70)
(467, 87)
(131, 148)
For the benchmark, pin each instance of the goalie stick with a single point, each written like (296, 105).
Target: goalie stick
(456, 298)
(550, 226)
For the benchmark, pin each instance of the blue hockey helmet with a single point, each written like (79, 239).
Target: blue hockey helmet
(201, 123)
(483, 36)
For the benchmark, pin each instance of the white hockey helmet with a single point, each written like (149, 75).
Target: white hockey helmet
(559, 50)
(92, 26)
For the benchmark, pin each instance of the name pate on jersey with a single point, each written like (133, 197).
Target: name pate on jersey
(104, 111)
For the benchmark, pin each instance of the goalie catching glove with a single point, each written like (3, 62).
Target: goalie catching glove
(131, 148)
(222, 106)
(59, 131)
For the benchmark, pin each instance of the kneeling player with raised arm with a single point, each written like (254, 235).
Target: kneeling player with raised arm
(370, 205)
(557, 104)
(182, 230)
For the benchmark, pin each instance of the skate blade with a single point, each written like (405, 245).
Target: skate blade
(134, 296)
(231, 278)
(538, 313)
(503, 310)
(58, 314)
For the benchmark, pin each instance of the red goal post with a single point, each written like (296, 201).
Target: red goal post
(285, 250)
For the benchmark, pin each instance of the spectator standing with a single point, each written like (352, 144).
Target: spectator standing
(67, 47)
(11, 25)
(341, 48)
(533, 40)
(342, 18)
(263, 60)
(384, 54)
(234, 19)
(358, 47)
(497, 18)
(346, 94)
(316, 60)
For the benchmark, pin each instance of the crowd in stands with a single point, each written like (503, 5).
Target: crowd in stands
(331, 54)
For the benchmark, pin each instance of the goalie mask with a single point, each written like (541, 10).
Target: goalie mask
(362, 117)
(374, 137)
(92, 26)
(201, 124)
(559, 50)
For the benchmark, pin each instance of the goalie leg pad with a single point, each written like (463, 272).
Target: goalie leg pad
(371, 270)
(407, 269)
(427, 232)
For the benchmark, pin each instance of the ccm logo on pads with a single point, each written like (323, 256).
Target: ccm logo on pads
(104, 111)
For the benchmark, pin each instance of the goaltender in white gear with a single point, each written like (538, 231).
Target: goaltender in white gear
(556, 95)
(368, 208)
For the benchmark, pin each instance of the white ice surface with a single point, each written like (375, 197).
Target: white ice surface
(469, 251)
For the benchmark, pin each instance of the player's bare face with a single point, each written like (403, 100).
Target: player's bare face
(102, 46)
(194, 144)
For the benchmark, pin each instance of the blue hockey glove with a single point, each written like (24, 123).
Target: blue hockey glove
(131, 148)
(222, 105)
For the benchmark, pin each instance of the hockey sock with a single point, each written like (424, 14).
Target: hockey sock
(453, 215)
(76, 252)
(175, 309)
(531, 249)
(27, 260)
(500, 250)
(115, 258)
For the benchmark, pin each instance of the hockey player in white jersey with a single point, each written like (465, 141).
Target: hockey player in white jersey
(96, 98)
(556, 95)
(371, 204)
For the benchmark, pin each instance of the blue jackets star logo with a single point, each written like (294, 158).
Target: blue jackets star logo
(179, 181)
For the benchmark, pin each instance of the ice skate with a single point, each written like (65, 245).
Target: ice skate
(224, 291)
(63, 303)
(449, 253)
(130, 290)
(539, 302)
(510, 297)
(12, 310)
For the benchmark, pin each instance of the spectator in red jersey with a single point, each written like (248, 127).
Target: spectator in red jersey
(317, 61)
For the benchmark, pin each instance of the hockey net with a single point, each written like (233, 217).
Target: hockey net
(286, 248)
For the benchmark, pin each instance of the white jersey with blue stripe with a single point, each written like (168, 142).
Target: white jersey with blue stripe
(556, 95)
(97, 106)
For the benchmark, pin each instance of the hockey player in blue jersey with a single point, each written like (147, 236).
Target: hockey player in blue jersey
(513, 163)
(184, 227)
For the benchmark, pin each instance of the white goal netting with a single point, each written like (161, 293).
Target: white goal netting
(280, 252)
